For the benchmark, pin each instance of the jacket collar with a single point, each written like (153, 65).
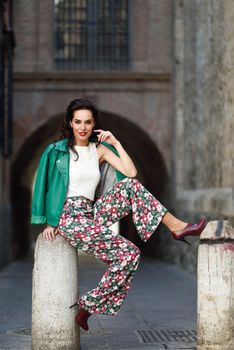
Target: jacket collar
(61, 145)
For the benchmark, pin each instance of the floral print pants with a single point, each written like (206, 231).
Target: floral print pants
(84, 224)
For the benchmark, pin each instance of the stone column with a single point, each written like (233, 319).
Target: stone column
(55, 288)
(216, 287)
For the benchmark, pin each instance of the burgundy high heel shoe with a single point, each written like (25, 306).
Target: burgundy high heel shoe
(82, 317)
(189, 230)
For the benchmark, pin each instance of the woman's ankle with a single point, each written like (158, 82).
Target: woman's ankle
(172, 223)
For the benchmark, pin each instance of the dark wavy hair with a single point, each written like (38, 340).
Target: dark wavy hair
(66, 129)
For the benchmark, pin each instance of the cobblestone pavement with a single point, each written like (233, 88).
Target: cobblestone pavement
(158, 313)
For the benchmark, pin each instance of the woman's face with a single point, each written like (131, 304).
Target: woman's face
(82, 125)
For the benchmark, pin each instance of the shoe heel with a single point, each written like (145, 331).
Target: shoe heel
(184, 240)
(73, 305)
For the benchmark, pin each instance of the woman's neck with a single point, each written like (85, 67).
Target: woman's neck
(81, 144)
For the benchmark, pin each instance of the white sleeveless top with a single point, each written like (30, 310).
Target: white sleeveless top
(84, 173)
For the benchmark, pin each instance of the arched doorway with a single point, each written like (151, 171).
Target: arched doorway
(149, 162)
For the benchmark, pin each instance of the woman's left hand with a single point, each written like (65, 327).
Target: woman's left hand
(106, 136)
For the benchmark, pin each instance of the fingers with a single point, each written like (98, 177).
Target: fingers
(100, 135)
(56, 231)
(49, 234)
(103, 135)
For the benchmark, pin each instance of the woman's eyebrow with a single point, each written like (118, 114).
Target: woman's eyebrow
(87, 120)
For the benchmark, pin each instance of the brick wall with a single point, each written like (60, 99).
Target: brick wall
(150, 35)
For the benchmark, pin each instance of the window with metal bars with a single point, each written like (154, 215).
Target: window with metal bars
(91, 34)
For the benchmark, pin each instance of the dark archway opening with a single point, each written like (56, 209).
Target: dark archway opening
(149, 162)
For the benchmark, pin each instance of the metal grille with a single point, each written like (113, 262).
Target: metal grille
(23, 332)
(91, 34)
(166, 336)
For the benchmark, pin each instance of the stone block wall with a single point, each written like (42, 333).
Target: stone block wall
(203, 158)
(204, 122)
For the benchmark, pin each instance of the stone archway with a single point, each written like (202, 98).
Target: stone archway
(151, 172)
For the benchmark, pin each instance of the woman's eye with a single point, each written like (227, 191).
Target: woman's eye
(79, 122)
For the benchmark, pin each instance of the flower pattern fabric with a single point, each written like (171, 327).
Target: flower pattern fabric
(85, 225)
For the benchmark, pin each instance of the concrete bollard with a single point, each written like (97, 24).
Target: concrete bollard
(215, 324)
(55, 288)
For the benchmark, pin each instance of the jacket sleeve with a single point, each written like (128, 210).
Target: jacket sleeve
(38, 215)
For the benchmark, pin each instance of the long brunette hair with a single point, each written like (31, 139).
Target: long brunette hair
(66, 129)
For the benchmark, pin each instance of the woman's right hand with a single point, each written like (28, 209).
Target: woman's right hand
(49, 233)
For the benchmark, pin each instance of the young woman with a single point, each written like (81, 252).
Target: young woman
(66, 199)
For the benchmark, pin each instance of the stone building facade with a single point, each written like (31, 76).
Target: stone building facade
(135, 103)
(171, 109)
(203, 111)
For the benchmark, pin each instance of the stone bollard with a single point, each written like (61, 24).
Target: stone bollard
(216, 287)
(55, 288)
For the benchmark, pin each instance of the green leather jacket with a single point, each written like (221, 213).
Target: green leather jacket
(52, 181)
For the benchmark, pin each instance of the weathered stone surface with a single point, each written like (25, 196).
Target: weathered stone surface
(218, 230)
(215, 287)
(218, 201)
(55, 288)
(204, 123)
(203, 158)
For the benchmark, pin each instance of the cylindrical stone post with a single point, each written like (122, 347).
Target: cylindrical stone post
(215, 323)
(55, 288)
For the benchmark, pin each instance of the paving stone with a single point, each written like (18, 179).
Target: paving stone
(162, 297)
